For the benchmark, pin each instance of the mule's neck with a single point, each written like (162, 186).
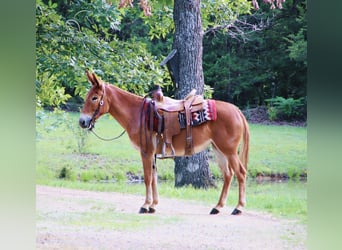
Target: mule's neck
(125, 107)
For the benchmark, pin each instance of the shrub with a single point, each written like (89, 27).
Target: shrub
(287, 109)
(272, 113)
(67, 174)
(86, 176)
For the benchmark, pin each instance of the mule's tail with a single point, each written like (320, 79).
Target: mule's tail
(244, 149)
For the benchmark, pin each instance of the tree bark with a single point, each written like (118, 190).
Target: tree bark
(187, 74)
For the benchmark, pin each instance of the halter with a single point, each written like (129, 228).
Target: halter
(92, 121)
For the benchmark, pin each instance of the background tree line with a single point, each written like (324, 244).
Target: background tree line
(250, 57)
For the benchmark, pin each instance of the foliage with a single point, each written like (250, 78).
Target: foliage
(222, 14)
(160, 23)
(66, 173)
(215, 15)
(84, 39)
(272, 113)
(249, 56)
(49, 92)
(298, 41)
(287, 109)
(298, 46)
(268, 60)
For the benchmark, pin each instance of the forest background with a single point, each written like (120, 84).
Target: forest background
(252, 58)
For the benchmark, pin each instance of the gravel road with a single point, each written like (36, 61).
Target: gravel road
(74, 219)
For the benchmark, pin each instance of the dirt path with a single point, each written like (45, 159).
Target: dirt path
(74, 219)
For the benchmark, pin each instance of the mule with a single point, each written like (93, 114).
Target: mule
(228, 134)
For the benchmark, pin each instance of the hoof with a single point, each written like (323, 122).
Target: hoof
(236, 212)
(143, 210)
(151, 210)
(214, 211)
(147, 211)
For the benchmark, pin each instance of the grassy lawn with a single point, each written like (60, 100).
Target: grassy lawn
(85, 162)
(278, 150)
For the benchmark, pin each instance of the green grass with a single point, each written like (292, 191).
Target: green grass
(85, 162)
(278, 150)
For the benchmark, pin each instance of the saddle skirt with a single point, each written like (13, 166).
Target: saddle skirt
(207, 113)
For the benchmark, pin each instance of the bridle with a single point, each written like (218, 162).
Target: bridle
(92, 121)
(97, 110)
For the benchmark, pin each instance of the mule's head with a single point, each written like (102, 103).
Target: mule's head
(95, 103)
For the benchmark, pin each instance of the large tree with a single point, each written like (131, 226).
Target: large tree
(187, 72)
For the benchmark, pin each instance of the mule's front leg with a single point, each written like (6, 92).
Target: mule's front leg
(154, 189)
(150, 179)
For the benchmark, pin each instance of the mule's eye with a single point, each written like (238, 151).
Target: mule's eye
(94, 98)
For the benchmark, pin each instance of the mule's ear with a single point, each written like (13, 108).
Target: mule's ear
(97, 80)
(90, 77)
(93, 79)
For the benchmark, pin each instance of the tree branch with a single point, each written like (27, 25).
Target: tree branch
(241, 28)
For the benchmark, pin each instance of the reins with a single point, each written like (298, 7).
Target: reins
(143, 126)
(144, 117)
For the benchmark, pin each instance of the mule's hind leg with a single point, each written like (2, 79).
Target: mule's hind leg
(227, 178)
(236, 165)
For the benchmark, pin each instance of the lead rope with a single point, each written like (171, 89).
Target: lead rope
(108, 139)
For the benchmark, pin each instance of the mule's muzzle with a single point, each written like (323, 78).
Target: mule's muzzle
(85, 122)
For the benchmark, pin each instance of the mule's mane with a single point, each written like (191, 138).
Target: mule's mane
(124, 92)
(124, 106)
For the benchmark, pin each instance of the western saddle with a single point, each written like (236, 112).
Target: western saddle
(167, 110)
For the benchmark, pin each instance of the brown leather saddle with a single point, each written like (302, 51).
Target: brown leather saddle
(168, 110)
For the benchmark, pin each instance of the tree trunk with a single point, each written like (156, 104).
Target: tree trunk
(187, 74)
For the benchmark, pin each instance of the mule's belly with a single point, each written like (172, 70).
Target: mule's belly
(201, 147)
(200, 141)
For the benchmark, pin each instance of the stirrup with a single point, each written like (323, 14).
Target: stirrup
(163, 155)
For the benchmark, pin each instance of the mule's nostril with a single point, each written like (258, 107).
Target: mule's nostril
(82, 123)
